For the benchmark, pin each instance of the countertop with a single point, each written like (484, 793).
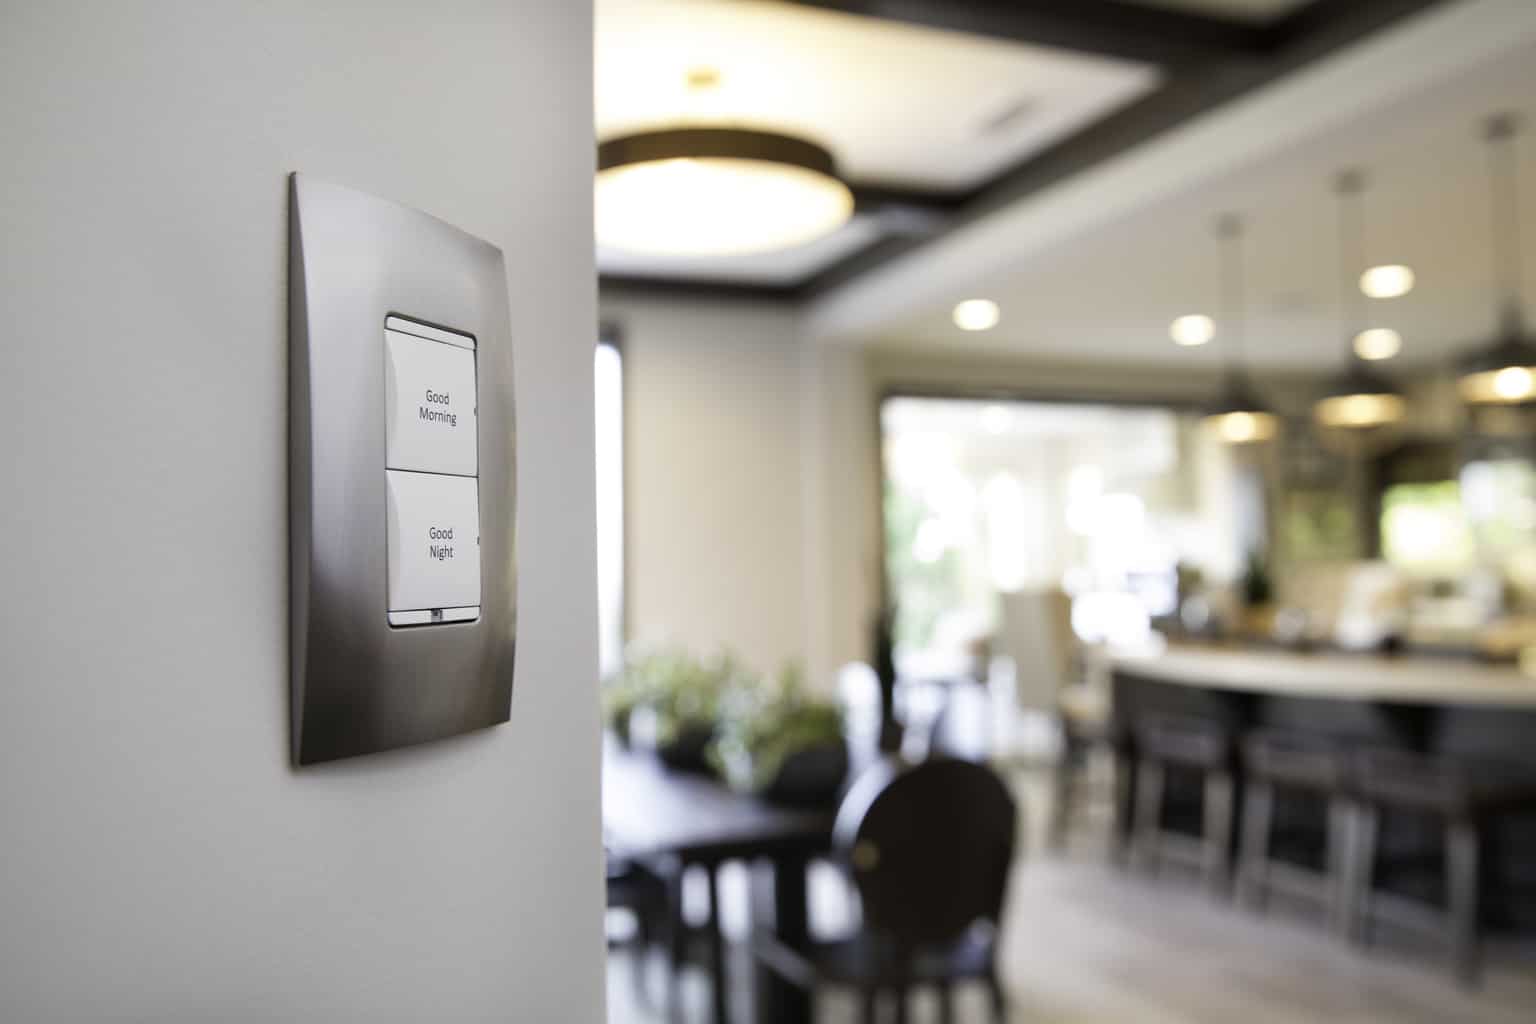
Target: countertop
(1402, 679)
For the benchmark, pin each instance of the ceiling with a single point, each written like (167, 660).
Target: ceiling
(937, 111)
(1108, 288)
(899, 105)
(906, 108)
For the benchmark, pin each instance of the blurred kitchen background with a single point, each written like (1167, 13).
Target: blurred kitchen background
(1066, 479)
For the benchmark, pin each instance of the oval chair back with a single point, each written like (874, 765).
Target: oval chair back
(929, 847)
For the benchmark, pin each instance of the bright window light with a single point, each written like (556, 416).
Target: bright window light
(997, 419)
(608, 380)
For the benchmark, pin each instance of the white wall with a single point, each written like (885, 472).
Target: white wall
(161, 859)
(716, 517)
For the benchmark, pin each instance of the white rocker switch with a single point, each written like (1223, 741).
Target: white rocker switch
(434, 548)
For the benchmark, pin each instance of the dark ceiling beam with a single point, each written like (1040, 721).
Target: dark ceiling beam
(907, 213)
(700, 288)
(1107, 28)
(1313, 32)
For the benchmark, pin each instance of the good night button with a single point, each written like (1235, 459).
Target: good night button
(434, 541)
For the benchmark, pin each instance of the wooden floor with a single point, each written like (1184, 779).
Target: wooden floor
(1085, 945)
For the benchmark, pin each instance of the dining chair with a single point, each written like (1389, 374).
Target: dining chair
(929, 847)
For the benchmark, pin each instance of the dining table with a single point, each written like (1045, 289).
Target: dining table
(675, 821)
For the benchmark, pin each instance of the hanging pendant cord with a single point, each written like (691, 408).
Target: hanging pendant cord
(1503, 167)
(1351, 256)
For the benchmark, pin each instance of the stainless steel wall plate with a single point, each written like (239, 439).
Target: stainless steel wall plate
(402, 476)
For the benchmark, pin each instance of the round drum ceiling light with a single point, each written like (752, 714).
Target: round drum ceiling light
(715, 191)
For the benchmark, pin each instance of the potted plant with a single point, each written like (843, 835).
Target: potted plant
(782, 743)
(673, 703)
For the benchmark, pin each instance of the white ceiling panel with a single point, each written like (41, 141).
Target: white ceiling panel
(1112, 293)
(1105, 287)
(897, 104)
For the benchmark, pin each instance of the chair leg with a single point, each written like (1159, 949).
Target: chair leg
(870, 998)
(1462, 842)
(999, 998)
(639, 948)
(1061, 805)
(1341, 857)
(1124, 816)
(677, 944)
(1253, 856)
(946, 994)
(1218, 829)
(1363, 874)
(1149, 810)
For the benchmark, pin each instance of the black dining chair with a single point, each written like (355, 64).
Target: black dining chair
(929, 847)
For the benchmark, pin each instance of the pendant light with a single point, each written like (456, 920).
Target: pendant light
(1360, 399)
(1504, 373)
(1238, 417)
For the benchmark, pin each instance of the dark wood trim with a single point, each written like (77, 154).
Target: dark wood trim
(620, 285)
(1255, 56)
(1107, 28)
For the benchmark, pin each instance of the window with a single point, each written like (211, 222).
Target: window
(608, 404)
(988, 498)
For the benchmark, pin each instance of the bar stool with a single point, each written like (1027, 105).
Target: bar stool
(1464, 797)
(1312, 767)
(1193, 747)
(1082, 741)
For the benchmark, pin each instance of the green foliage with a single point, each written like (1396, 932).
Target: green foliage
(1258, 589)
(682, 690)
(762, 726)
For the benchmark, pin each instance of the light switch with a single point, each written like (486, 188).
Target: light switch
(429, 401)
(434, 547)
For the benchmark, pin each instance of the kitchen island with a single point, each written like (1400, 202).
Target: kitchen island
(1462, 708)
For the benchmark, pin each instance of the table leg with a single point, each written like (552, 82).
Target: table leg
(677, 943)
(780, 903)
(719, 977)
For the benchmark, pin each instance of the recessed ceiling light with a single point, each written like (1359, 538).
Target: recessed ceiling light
(1192, 330)
(977, 315)
(1387, 282)
(1378, 343)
